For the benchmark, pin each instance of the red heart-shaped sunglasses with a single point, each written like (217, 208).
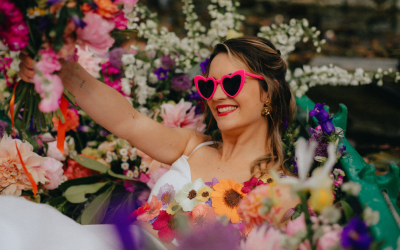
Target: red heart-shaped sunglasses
(230, 84)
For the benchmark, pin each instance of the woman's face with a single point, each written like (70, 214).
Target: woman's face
(241, 111)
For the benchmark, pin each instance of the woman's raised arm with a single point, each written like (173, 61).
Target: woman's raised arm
(112, 111)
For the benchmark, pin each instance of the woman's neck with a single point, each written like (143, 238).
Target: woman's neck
(245, 143)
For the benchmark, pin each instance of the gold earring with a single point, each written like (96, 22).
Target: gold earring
(267, 109)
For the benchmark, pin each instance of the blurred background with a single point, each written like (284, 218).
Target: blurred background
(359, 33)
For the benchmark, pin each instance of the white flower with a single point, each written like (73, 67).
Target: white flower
(331, 214)
(128, 59)
(129, 72)
(370, 217)
(153, 78)
(352, 188)
(123, 151)
(125, 166)
(186, 197)
(129, 173)
(109, 159)
(320, 177)
(124, 158)
(136, 173)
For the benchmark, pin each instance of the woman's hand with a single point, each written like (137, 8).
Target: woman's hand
(26, 70)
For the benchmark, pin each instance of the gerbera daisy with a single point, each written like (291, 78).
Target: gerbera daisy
(153, 211)
(226, 197)
(186, 197)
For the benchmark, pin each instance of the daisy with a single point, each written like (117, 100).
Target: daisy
(186, 197)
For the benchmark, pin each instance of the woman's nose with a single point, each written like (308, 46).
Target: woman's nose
(219, 93)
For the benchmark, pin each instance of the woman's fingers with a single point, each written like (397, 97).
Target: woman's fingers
(25, 73)
(26, 60)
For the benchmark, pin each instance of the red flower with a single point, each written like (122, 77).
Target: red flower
(141, 210)
(251, 184)
(76, 170)
(167, 225)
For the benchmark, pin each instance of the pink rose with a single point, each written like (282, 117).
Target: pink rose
(318, 128)
(48, 61)
(328, 240)
(96, 34)
(54, 153)
(54, 172)
(295, 225)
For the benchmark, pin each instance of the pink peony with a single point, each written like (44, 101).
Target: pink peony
(329, 240)
(96, 34)
(48, 62)
(296, 225)
(89, 61)
(54, 153)
(54, 173)
(263, 238)
(181, 115)
(12, 176)
(50, 89)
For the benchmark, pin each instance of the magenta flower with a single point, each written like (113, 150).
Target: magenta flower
(166, 195)
(48, 62)
(251, 184)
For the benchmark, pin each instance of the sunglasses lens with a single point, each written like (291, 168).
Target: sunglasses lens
(206, 88)
(232, 85)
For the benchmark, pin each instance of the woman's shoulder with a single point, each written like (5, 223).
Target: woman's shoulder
(195, 139)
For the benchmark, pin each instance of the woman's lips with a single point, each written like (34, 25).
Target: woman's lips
(224, 110)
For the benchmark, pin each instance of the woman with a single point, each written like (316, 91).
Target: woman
(250, 106)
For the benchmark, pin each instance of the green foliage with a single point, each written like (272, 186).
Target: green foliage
(95, 212)
(77, 194)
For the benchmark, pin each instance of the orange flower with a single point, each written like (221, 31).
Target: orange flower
(155, 206)
(203, 214)
(226, 197)
(141, 210)
(72, 120)
(106, 8)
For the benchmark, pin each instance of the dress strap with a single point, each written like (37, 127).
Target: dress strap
(201, 145)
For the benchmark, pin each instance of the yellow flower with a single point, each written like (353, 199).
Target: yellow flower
(321, 198)
(233, 34)
(268, 179)
(173, 208)
(204, 193)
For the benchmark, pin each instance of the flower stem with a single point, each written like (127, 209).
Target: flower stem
(304, 207)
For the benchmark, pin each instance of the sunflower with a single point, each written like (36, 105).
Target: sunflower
(226, 197)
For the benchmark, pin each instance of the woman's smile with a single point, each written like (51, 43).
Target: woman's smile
(225, 109)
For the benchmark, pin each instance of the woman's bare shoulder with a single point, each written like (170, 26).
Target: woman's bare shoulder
(195, 139)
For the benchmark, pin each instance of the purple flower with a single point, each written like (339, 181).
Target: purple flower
(161, 73)
(318, 136)
(166, 195)
(114, 57)
(181, 82)
(319, 112)
(104, 132)
(204, 65)
(341, 150)
(194, 96)
(209, 202)
(52, 2)
(355, 235)
(212, 236)
(167, 62)
(296, 169)
(212, 183)
(2, 128)
(327, 126)
(78, 22)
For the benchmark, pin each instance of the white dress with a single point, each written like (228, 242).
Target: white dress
(28, 225)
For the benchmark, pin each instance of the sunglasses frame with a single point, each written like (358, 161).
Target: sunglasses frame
(240, 72)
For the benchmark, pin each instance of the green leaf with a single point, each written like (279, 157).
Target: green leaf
(297, 211)
(95, 212)
(348, 211)
(90, 163)
(120, 176)
(34, 144)
(76, 194)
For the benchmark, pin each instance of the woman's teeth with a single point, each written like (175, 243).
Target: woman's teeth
(227, 109)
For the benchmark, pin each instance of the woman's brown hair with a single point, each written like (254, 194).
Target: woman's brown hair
(259, 56)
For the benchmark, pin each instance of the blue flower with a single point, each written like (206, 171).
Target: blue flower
(355, 235)
(204, 65)
(319, 112)
(161, 73)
